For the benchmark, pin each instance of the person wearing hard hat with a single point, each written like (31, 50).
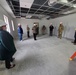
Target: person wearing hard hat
(34, 31)
(51, 27)
(75, 37)
(7, 47)
(20, 32)
(60, 30)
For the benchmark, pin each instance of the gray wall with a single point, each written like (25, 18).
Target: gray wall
(69, 23)
(25, 22)
(3, 12)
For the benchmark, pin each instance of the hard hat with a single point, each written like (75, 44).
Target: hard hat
(19, 24)
(2, 23)
(60, 22)
(34, 24)
(50, 23)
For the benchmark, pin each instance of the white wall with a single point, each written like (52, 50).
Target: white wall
(3, 12)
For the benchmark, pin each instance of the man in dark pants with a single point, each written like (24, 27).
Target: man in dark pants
(7, 47)
(51, 29)
(37, 30)
(34, 31)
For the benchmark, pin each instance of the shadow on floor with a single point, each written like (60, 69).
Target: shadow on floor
(27, 63)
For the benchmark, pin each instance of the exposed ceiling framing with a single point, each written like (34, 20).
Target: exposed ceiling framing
(42, 8)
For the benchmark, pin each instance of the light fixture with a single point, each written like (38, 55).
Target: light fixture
(28, 16)
(74, 5)
(63, 1)
(68, 12)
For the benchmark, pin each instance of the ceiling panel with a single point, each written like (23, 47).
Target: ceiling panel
(35, 6)
(57, 10)
(15, 3)
(46, 12)
(51, 13)
(39, 2)
(40, 11)
(34, 10)
(58, 5)
(31, 12)
(24, 10)
(16, 8)
(44, 8)
(65, 7)
(51, 9)
(39, 7)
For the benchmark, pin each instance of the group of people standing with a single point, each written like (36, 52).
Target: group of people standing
(8, 50)
(35, 30)
(60, 30)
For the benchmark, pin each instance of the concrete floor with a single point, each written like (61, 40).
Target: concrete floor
(46, 56)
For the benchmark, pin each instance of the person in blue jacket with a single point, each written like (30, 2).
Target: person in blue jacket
(7, 47)
(20, 32)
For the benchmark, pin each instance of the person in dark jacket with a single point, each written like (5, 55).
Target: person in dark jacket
(20, 31)
(7, 47)
(37, 29)
(75, 37)
(51, 29)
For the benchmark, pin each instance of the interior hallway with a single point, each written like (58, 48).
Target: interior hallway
(46, 56)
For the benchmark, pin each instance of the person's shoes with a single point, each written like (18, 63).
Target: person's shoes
(11, 66)
(74, 43)
(35, 39)
(13, 59)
